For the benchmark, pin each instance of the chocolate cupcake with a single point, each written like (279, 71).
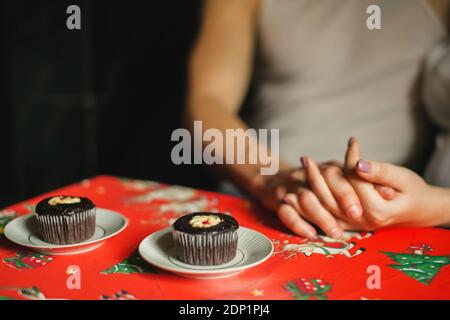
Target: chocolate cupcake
(205, 238)
(65, 219)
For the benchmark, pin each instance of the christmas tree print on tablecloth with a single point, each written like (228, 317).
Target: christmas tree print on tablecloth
(28, 260)
(133, 264)
(419, 265)
(304, 289)
(5, 217)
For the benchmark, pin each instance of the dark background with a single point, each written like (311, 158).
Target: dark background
(100, 100)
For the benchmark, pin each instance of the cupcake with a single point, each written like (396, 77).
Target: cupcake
(205, 238)
(65, 219)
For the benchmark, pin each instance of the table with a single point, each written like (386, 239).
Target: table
(410, 263)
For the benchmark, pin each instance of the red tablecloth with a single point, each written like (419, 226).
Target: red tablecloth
(412, 263)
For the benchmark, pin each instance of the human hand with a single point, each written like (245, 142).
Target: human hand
(330, 201)
(289, 194)
(414, 203)
(336, 194)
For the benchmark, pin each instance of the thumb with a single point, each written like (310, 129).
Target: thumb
(383, 173)
(351, 160)
(362, 187)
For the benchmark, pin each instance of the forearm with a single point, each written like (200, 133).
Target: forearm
(440, 205)
(219, 74)
(213, 116)
(432, 210)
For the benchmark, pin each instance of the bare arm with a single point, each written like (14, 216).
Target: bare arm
(219, 75)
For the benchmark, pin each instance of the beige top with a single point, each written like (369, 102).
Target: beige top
(323, 76)
(436, 93)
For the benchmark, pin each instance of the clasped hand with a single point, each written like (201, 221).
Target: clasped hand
(355, 195)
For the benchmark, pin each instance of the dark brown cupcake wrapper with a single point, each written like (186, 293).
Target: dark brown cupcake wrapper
(205, 249)
(67, 229)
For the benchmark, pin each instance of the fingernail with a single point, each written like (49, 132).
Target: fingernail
(363, 166)
(287, 201)
(354, 211)
(310, 234)
(304, 162)
(388, 192)
(336, 233)
(350, 141)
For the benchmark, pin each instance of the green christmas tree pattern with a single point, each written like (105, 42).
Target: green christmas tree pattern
(304, 289)
(133, 264)
(419, 265)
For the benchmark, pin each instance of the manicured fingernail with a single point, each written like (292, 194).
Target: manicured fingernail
(304, 162)
(354, 211)
(336, 233)
(287, 201)
(363, 166)
(350, 141)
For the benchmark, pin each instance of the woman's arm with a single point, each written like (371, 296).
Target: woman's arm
(440, 203)
(416, 204)
(219, 75)
(390, 195)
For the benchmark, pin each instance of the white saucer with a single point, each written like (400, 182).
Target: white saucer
(253, 248)
(23, 231)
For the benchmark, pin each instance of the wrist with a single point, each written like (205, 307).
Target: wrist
(258, 182)
(439, 206)
(257, 185)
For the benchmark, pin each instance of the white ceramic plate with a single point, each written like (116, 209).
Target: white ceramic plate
(23, 231)
(253, 248)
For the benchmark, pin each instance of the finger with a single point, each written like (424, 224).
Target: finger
(365, 190)
(298, 175)
(386, 192)
(335, 163)
(349, 226)
(315, 213)
(292, 220)
(383, 173)
(319, 186)
(343, 192)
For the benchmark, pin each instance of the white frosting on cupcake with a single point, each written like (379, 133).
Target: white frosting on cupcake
(63, 200)
(204, 221)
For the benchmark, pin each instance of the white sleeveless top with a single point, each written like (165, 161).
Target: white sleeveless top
(323, 76)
